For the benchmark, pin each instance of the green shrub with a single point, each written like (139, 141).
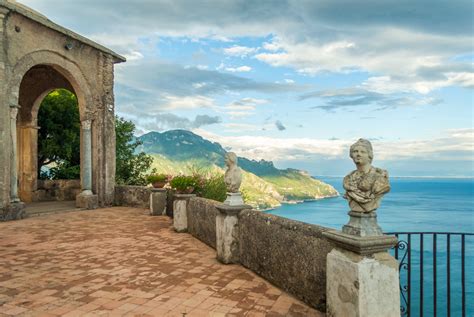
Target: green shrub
(213, 187)
(154, 178)
(184, 184)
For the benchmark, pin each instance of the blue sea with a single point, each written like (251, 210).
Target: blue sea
(415, 205)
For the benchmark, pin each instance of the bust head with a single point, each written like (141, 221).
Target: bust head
(230, 159)
(361, 151)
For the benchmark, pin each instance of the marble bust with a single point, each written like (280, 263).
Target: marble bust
(233, 174)
(366, 185)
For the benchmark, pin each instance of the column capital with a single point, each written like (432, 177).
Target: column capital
(14, 111)
(86, 124)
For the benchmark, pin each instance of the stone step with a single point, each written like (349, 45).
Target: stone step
(32, 213)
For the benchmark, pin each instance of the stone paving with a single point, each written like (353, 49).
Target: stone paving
(122, 262)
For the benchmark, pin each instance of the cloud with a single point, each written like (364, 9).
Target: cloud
(333, 99)
(166, 121)
(187, 102)
(452, 145)
(239, 69)
(398, 39)
(239, 51)
(243, 107)
(280, 125)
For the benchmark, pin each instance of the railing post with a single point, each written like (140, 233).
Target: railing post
(362, 278)
(227, 232)
(180, 213)
(158, 198)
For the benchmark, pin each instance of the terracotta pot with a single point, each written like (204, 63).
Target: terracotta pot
(158, 184)
(188, 190)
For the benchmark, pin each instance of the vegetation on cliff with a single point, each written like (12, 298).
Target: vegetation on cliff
(263, 185)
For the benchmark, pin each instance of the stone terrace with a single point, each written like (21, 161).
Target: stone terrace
(122, 262)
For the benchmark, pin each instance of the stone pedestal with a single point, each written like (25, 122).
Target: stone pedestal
(234, 199)
(227, 233)
(362, 278)
(87, 200)
(180, 216)
(158, 198)
(362, 224)
(14, 211)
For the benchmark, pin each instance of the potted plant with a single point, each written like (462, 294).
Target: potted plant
(157, 180)
(183, 184)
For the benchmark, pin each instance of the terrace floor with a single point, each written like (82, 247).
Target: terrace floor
(122, 262)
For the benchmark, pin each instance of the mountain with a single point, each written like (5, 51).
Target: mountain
(263, 186)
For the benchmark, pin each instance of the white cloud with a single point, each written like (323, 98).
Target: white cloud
(452, 145)
(186, 102)
(239, 51)
(240, 69)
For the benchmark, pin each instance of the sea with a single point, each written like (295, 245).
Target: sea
(415, 205)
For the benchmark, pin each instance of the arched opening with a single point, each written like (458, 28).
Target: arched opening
(48, 133)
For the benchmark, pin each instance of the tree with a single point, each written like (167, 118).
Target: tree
(131, 167)
(59, 135)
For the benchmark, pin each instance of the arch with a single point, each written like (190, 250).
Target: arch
(66, 67)
(66, 74)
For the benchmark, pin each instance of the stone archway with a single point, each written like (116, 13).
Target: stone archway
(36, 84)
(38, 56)
(35, 75)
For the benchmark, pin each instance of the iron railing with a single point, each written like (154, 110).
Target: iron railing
(433, 273)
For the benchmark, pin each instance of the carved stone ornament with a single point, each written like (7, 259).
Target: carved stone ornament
(233, 174)
(86, 124)
(366, 185)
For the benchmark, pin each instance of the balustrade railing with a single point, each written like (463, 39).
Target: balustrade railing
(435, 270)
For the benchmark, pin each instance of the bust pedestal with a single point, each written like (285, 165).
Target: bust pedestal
(362, 224)
(234, 199)
(227, 232)
(158, 198)
(180, 213)
(362, 278)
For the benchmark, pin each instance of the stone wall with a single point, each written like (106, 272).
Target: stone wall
(290, 254)
(202, 220)
(61, 189)
(132, 196)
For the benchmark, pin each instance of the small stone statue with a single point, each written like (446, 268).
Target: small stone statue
(367, 184)
(233, 174)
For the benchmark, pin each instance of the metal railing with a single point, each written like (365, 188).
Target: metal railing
(433, 272)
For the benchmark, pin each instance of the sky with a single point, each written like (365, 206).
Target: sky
(295, 82)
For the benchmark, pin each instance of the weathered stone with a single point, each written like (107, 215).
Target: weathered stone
(180, 219)
(234, 199)
(362, 286)
(34, 60)
(227, 233)
(361, 245)
(202, 215)
(158, 198)
(362, 224)
(87, 201)
(288, 253)
(132, 196)
(14, 211)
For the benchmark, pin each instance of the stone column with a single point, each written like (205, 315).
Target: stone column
(180, 213)
(86, 199)
(14, 155)
(227, 232)
(86, 179)
(362, 278)
(158, 199)
(15, 209)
